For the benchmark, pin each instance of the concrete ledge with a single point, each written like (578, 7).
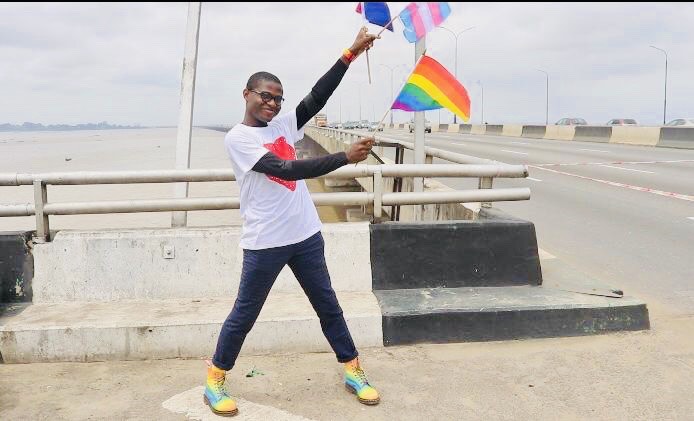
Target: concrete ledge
(478, 129)
(559, 132)
(488, 314)
(16, 267)
(513, 130)
(174, 329)
(453, 128)
(465, 128)
(495, 129)
(648, 136)
(442, 127)
(486, 252)
(677, 137)
(176, 263)
(534, 132)
(600, 134)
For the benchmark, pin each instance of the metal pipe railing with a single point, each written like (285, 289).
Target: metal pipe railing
(172, 176)
(221, 203)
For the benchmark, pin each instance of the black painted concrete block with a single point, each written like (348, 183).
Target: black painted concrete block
(490, 251)
(16, 267)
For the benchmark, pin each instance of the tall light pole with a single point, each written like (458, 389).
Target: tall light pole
(456, 55)
(392, 99)
(482, 87)
(546, 97)
(665, 95)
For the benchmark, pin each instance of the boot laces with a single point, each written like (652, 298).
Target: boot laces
(360, 374)
(218, 385)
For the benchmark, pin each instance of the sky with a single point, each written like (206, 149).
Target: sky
(76, 63)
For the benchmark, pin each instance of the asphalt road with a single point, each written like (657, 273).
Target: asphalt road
(622, 214)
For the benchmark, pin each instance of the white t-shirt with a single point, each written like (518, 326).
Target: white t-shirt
(275, 212)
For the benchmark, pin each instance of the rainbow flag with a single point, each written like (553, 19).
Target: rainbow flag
(420, 18)
(430, 87)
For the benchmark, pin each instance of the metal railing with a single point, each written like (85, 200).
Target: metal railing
(42, 209)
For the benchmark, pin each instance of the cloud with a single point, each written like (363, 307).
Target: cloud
(121, 62)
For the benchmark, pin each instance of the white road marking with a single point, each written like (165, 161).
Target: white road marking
(190, 403)
(520, 143)
(691, 217)
(519, 153)
(627, 169)
(593, 150)
(534, 179)
(626, 186)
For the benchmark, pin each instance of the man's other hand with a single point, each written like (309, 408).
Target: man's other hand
(359, 150)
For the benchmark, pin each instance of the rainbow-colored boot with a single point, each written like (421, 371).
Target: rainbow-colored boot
(356, 382)
(216, 395)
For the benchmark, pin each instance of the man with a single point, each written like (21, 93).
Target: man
(280, 222)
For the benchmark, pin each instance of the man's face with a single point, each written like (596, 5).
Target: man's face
(262, 110)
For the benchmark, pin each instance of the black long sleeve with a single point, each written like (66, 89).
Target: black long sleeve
(289, 170)
(321, 92)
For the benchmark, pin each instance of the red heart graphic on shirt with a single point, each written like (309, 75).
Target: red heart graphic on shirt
(285, 151)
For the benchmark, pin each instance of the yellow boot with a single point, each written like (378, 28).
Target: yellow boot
(216, 395)
(356, 382)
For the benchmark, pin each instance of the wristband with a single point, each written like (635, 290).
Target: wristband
(348, 55)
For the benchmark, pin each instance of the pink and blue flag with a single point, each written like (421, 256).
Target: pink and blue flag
(420, 18)
(376, 13)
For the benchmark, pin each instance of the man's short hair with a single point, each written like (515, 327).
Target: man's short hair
(257, 77)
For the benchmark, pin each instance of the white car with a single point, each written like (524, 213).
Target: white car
(681, 122)
(622, 122)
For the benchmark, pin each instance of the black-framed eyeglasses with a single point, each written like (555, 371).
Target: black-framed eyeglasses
(267, 96)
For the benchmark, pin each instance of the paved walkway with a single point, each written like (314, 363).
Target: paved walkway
(626, 376)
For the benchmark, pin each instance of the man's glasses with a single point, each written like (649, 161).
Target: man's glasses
(267, 96)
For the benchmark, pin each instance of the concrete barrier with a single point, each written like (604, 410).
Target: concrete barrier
(443, 127)
(465, 128)
(165, 264)
(453, 128)
(601, 134)
(560, 132)
(435, 127)
(16, 267)
(632, 135)
(677, 137)
(534, 132)
(513, 130)
(490, 252)
(478, 129)
(401, 126)
(495, 129)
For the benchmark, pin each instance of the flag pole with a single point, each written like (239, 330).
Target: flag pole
(388, 24)
(390, 108)
(368, 66)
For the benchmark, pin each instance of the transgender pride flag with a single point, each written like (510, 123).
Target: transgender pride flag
(420, 18)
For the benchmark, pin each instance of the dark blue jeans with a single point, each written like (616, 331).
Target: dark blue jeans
(260, 269)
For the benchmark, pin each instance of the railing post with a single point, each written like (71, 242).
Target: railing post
(378, 193)
(429, 159)
(486, 183)
(43, 231)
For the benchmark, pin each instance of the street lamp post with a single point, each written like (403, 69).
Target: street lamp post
(482, 87)
(665, 94)
(392, 99)
(546, 97)
(456, 55)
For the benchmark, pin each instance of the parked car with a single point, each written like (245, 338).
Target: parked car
(571, 122)
(375, 126)
(681, 122)
(622, 122)
(427, 126)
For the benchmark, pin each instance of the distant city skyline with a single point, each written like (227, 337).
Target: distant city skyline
(122, 61)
